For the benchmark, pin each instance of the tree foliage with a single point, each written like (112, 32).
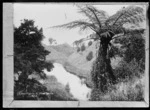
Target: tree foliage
(67, 88)
(89, 56)
(83, 47)
(51, 41)
(89, 43)
(78, 49)
(29, 55)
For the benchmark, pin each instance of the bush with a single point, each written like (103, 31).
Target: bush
(59, 94)
(58, 90)
(78, 49)
(67, 88)
(134, 45)
(124, 91)
(31, 92)
(128, 71)
(89, 43)
(89, 56)
(83, 47)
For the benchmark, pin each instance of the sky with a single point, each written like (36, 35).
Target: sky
(51, 14)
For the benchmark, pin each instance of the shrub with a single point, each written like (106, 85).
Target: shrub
(58, 90)
(67, 88)
(60, 94)
(82, 47)
(31, 92)
(124, 91)
(78, 49)
(89, 43)
(89, 56)
(128, 71)
(134, 45)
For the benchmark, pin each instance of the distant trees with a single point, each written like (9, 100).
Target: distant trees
(78, 49)
(29, 58)
(89, 43)
(83, 47)
(89, 56)
(77, 43)
(51, 41)
(67, 88)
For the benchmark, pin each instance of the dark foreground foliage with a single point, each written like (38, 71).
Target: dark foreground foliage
(29, 58)
(129, 73)
(89, 56)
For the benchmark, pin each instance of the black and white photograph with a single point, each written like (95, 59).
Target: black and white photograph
(79, 52)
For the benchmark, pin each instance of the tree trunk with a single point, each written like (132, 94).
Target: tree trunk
(102, 73)
(108, 62)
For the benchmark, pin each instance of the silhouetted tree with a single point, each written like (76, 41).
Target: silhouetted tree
(89, 56)
(83, 47)
(89, 43)
(29, 56)
(51, 41)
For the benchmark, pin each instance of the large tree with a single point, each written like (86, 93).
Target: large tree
(106, 29)
(29, 57)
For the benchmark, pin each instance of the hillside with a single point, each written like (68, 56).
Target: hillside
(59, 53)
(78, 59)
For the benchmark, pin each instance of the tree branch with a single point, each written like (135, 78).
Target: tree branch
(95, 16)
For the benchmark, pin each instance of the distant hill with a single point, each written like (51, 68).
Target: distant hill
(79, 60)
(59, 53)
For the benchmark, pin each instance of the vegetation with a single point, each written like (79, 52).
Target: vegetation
(67, 88)
(89, 56)
(123, 91)
(29, 61)
(78, 49)
(106, 28)
(58, 91)
(29, 58)
(89, 43)
(129, 73)
(83, 47)
(51, 41)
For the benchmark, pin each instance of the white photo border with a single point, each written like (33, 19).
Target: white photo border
(8, 76)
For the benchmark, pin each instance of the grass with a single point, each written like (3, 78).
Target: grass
(129, 87)
(123, 91)
(128, 91)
